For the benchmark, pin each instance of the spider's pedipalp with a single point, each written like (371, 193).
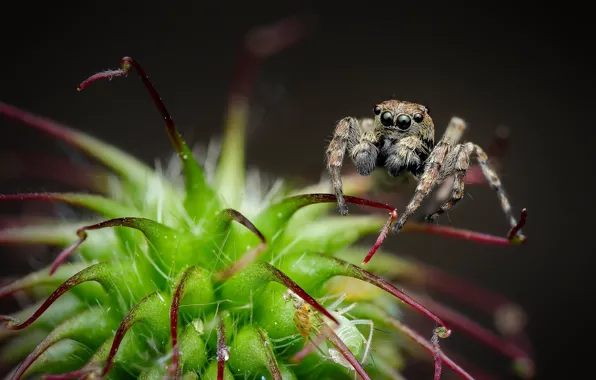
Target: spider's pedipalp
(360, 140)
(407, 154)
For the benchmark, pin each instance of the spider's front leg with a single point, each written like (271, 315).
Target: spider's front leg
(433, 174)
(360, 140)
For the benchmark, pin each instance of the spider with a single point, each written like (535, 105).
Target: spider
(400, 138)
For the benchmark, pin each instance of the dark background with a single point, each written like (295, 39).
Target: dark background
(524, 67)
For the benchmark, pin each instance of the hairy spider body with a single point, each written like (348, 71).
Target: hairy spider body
(400, 138)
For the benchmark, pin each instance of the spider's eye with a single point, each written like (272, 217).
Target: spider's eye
(387, 119)
(377, 110)
(418, 117)
(403, 121)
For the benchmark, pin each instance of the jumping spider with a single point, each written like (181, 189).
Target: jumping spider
(400, 138)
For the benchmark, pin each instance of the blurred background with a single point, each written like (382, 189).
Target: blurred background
(524, 68)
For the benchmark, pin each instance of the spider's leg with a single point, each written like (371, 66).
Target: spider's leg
(459, 165)
(428, 180)
(455, 130)
(453, 134)
(351, 135)
(495, 183)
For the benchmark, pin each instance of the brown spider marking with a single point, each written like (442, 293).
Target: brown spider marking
(400, 138)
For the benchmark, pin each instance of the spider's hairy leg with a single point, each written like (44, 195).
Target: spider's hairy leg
(453, 133)
(455, 129)
(359, 139)
(428, 179)
(494, 181)
(458, 165)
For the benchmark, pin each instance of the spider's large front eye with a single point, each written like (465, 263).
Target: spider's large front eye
(377, 110)
(387, 119)
(403, 121)
(418, 118)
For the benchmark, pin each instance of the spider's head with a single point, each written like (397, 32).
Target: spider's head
(401, 119)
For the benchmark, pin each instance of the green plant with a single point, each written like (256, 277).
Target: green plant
(178, 282)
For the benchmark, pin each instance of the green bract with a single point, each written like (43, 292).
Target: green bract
(203, 280)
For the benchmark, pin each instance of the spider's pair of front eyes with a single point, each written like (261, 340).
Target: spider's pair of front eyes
(403, 121)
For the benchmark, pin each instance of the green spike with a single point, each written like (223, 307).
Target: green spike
(274, 312)
(114, 290)
(193, 351)
(211, 372)
(331, 234)
(169, 248)
(19, 347)
(384, 264)
(122, 163)
(97, 203)
(286, 373)
(64, 307)
(200, 199)
(251, 352)
(353, 184)
(230, 174)
(199, 195)
(197, 293)
(271, 220)
(89, 328)
(154, 373)
(131, 348)
(158, 372)
(243, 288)
(50, 234)
(150, 318)
(64, 356)
(100, 246)
(43, 279)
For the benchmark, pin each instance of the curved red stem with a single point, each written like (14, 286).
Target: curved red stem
(222, 349)
(249, 257)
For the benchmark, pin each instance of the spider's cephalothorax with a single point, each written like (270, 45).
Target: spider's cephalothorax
(400, 138)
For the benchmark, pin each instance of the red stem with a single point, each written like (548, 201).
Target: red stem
(126, 63)
(364, 275)
(222, 349)
(174, 309)
(88, 274)
(507, 348)
(426, 345)
(282, 278)
(249, 257)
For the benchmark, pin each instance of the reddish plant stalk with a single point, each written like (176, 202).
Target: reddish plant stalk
(174, 309)
(222, 349)
(91, 273)
(249, 257)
